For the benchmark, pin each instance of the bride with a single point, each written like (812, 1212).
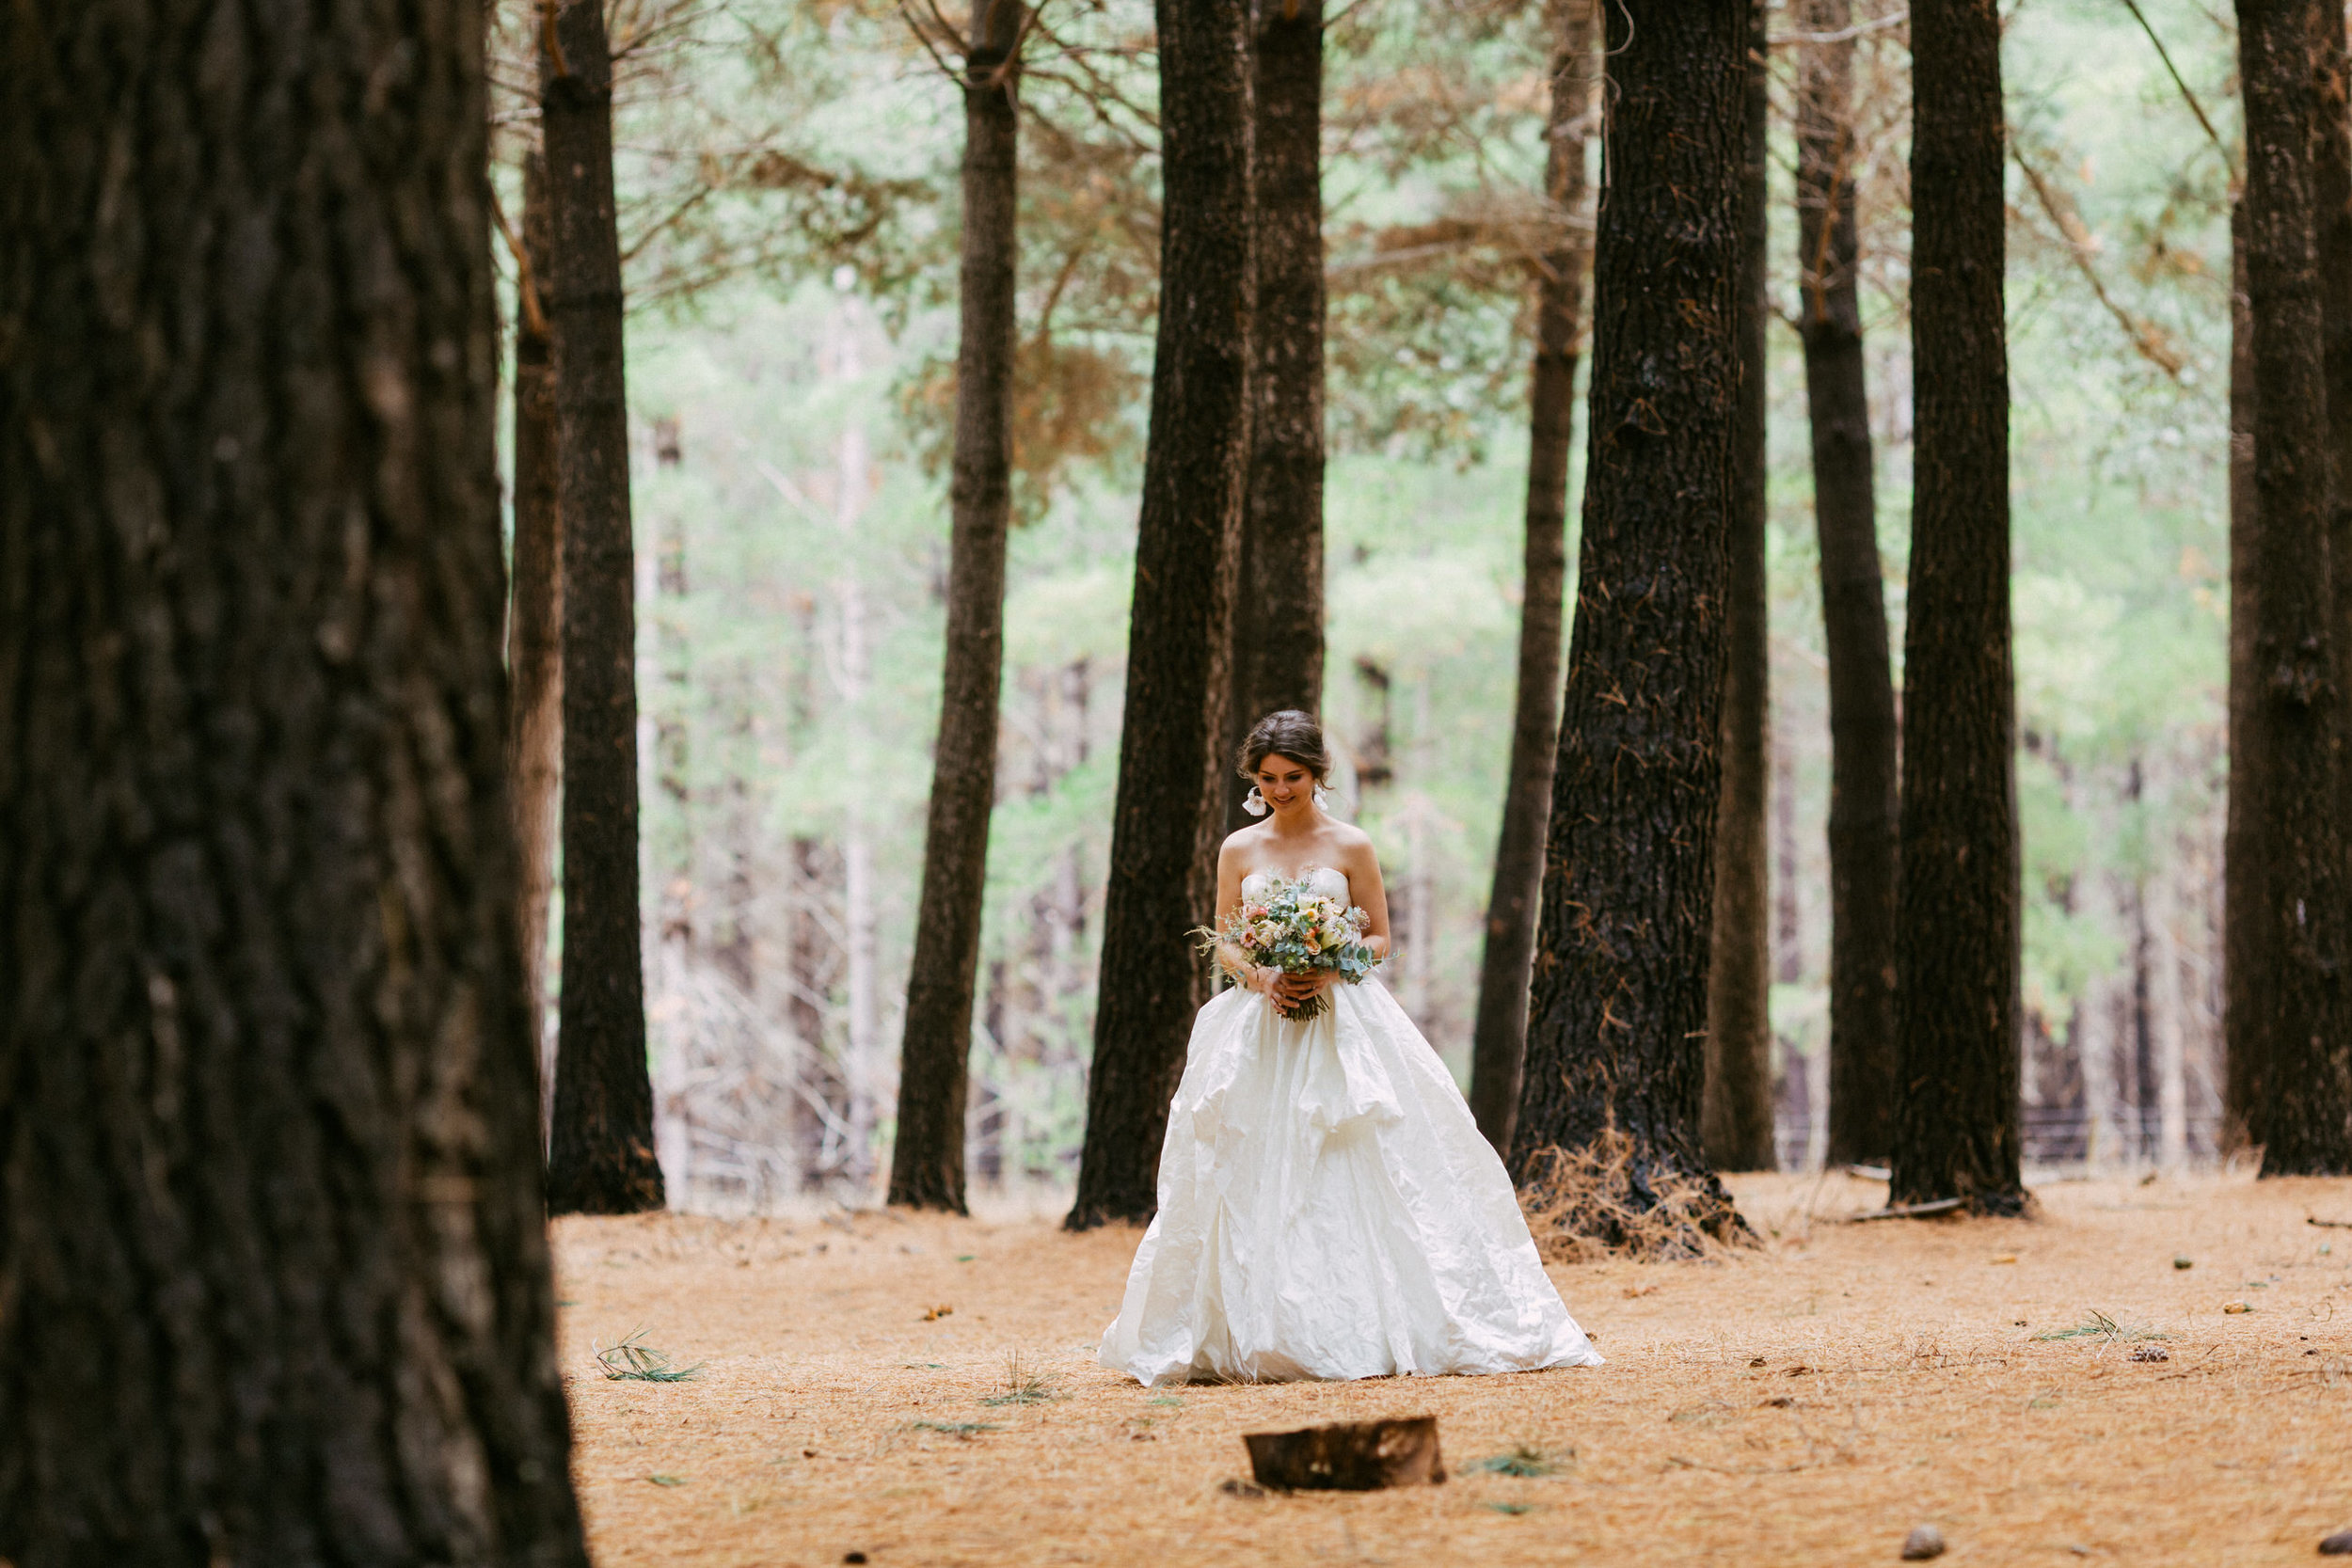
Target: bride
(1327, 1209)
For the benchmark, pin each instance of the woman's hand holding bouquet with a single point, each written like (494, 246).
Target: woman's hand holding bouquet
(1309, 941)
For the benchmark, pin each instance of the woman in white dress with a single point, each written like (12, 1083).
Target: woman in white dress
(1327, 1208)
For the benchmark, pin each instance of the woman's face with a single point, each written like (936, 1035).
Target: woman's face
(1286, 785)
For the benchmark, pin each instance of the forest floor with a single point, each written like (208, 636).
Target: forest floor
(2042, 1391)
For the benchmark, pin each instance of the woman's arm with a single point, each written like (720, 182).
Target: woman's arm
(1363, 882)
(1228, 957)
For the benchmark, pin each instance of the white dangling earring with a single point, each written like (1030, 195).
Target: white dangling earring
(1254, 804)
(1323, 798)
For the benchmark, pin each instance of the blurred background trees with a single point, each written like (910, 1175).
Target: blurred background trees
(787, 180)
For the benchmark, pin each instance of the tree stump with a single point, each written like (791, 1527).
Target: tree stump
(1349, 1456)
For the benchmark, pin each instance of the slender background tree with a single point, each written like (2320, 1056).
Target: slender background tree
(1278, 619)
(1172, 758)
(600, 1153)
(2243, 957)
(926, 1163)
(534, 615)
(1957, 923)
(1617, 1015)
(273, 1281)
(1735, 1110)
(1499, 1043)
(1863, 740)
(2304, 1027)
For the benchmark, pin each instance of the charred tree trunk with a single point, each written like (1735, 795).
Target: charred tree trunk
(1499, 1042)
(2331, 193)
(601, 1150)
(1618, 1013)
(926, 1163)
(1171, 748)
(274, 1280)
(1957, 932)
(2243, 955)
(1863, 739)
(2302, 1017)
(534, 622)
(1278, 614)
(1736, 1108)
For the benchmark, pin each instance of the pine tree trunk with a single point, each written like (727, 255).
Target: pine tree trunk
(2331, 193)
(1863, 739)
(2303, 1008)
(274, 1279)
(2243, 1094)
(1957, 933)
(1278, 616)
(1618, 1013)
(1171, 752)
(926, 1163)
(601, 1152)
(535, 623)
(1499, 1041)
(1735, 1106)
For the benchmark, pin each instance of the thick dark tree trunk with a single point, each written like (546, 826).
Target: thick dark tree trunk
(2243, 955)
(1957, 928)
(273, 1281)
(2302, 1021)
(1277, 614)
(600, 1157)
(927, 1163)
(2331, 195)
(1618, 1014)
(1172, 747)
(534, 621)
(1863, 740)
(1499, 1043)
(1736, 1108)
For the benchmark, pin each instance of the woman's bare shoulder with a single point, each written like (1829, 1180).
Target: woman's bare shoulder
(1350, 840)
(1240, 839)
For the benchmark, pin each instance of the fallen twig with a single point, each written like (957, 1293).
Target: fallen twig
(1906, 1210)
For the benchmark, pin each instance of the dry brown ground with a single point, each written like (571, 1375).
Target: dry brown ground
(1805, 1403)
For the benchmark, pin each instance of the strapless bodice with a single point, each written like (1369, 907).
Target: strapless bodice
(1319, 879)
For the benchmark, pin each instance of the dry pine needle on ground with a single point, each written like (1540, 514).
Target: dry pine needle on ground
(1808, 1400)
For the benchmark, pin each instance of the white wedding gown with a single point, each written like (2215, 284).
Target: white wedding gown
(1329, 1209)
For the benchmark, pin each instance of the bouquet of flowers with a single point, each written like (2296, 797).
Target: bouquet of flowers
(1297, 932)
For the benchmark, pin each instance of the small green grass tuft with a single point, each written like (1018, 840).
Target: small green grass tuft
(1025, 1386)
(667, 1481)
(954, 1428)
(1524, 1459)
(634, 1359)
(1514, 1509)
(2098, 1325)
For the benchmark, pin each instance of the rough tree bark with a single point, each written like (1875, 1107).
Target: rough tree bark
(2303, 1016)
(926, 1163)
(1172, 745)
(1736, 1105)
(1957, 932)
(1616, 1018)
(1498, 1041)
(273, 1281)
(600, 1151)
(2243, 954)
(2331, 195)
(1861, 723)
(534, 621)
(1277, 614)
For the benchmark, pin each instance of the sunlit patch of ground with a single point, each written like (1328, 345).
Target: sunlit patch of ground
(1807, 1404)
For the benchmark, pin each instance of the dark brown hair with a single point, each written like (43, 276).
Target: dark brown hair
(1287, 734)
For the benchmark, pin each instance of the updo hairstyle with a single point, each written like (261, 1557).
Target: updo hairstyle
(1287, 734)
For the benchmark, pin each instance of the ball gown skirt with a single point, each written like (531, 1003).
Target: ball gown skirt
(1329, 1209)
